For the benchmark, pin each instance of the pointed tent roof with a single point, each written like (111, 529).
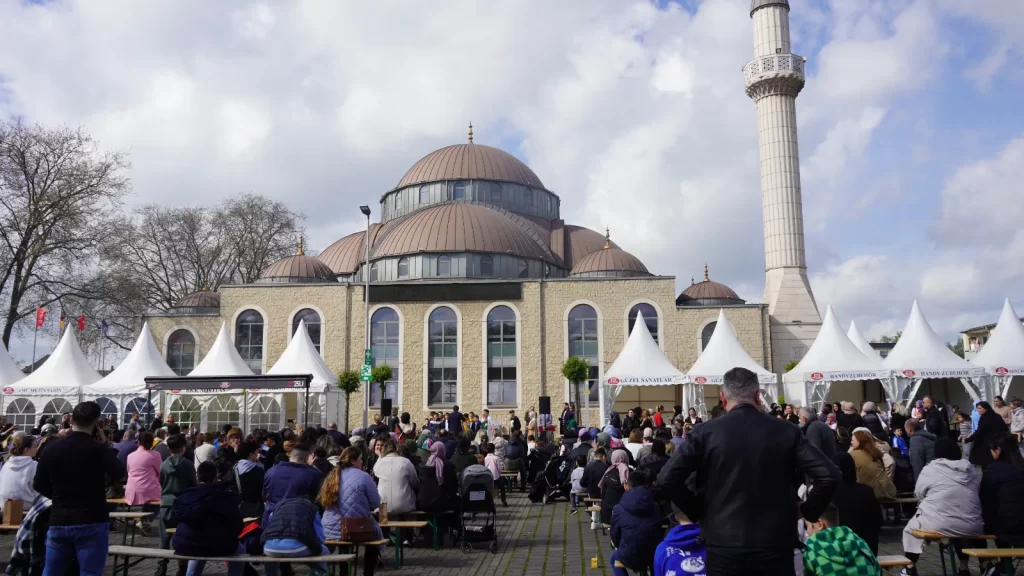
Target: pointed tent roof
(1003, 354)
(857, 337)
(222, 359)
(920, 353)
(641, 362)
(834, 357)
(301, 357)
(723, 353)
(9, 371)
(129, 378)
(63, 374)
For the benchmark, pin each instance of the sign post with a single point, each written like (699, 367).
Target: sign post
(364, 373)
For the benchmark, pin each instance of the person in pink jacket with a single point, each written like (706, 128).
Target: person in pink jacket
(143, 476)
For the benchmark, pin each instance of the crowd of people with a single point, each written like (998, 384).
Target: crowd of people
(751, 490)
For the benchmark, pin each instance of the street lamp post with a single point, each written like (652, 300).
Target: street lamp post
(366, 311)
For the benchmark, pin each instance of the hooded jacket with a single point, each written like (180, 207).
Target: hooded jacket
(176, 474)
(16, 480)
(208, 520)
(839, 552)
(682, 552)
(949, 502)
(922, 450)
(636, 528)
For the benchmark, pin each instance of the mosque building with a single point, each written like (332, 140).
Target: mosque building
(479, 290)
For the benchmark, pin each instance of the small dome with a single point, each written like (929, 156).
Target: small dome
(470, 162)
(708, 293)
(610, 262)
(201, 299)
(582, 242)
(298, 269)
(347, 254)
(458, 227)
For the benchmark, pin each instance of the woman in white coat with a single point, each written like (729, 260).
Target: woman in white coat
(397, 478)
(19, 470)
(949, 503)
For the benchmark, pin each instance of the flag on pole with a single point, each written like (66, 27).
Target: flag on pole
(40, 317)
(81, 323)
(105, 328)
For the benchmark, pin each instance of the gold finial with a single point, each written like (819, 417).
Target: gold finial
(206, 285)
(692, 281)
(607, 238)
(470, 132)
(300, 251)
(706, 279)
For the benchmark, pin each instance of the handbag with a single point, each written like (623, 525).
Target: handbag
(357, 530)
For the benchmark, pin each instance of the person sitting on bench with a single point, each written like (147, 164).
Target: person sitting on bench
(1002, 492)
(208, 521)
(682, 551)
(295, 530)
(636, 525)
(834, 549)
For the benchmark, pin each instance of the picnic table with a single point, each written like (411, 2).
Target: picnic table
(128, 521)
(1006, 556)
(395, 528)
(945, 547)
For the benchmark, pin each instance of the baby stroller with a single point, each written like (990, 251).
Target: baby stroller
(476, 492)
(554, 481)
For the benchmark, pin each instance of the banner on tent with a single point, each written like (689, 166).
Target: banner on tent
(644, 381)
(839, 376)
(217, 384)
(15, 390)
(923, 374)
(717, 380)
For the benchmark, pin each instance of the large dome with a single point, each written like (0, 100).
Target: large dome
(458, 227)
(347, 254)
(470, 162)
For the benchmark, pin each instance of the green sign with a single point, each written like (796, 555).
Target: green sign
(364, 373)
(367, 357)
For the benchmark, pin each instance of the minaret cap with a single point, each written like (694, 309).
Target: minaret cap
(607, 238)
(470, 132)
(300, 251)
(756, 5)
(706, 278)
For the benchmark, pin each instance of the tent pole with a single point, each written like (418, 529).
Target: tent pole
(149, 413)
(245, 412)
(305, 409)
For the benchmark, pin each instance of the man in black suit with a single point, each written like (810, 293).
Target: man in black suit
(748, 468)
(455, 422)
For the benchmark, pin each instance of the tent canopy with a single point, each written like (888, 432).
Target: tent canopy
(129, 378)
(834, 357)
(857, 337)
(63, 374)
(301, 357)
(9, 371)
(1003, 354)
(920, 353)
(723, 353)
(222, 359)
(642, 362)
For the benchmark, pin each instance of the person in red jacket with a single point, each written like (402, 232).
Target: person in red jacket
(658, 420)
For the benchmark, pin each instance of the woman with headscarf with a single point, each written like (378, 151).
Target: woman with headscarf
(918, 410)
(826, 409)
(990, 423)
(948, 504)
(614, 420)
(613, 484)
(849, 418)
(830, 419)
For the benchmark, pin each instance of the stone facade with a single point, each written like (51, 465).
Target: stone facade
(542, 335)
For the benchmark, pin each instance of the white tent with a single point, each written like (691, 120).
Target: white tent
(301, 357)
(9, 371)
(641, 363)
(222, 359)
(920, 354)
(55, 385)
(857, 337)
(1003, 354)
(123, 392)
(723, 353)
(832, 358)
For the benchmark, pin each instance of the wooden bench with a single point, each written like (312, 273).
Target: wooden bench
(1005, 555)
(945, 547)
(129, 520)
(889, 562)
(592, 500)
(343, 546)
(123, 502)
(159, 554)
(642, 572)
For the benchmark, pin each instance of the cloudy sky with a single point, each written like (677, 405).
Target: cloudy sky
(911, 128)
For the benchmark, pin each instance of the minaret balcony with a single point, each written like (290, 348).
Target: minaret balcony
(774, 74)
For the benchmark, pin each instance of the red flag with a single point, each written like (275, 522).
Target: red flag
(81, 323)
(40, 317)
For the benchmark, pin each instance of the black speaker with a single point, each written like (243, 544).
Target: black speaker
(545, 404)
(385, 407)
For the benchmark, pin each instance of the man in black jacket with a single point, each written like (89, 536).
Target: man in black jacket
(748, 467)
(817, 433)
(72, 472)
(935, 418)
(455, 422)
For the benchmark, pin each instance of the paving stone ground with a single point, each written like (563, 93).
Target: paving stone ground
(534, 540)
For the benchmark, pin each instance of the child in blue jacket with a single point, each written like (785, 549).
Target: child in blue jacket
(682, 551)
(636, 525)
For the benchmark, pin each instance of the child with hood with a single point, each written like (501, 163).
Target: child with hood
(682, 551)
(834, 550)
(208, 521)
(636, 526)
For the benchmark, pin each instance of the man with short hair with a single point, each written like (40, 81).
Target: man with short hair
(158, 421)
(72, 472)
(747, 466)
(204, 451)
(514, 423)
(922, 445)
(135, 424)
(332, 431)
(677, 437)
(455, 421)
(161, 446)
(934, 418)
(292, 479)
(817, 433)
(126, 446)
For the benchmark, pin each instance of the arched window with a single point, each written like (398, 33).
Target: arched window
(583, 340)
(424, 194)
(55, 408)
(650, 318)
(373, 272)
(312, 319)
(444, 265)
(186, 411)
(384, 345)
(705, 335)
(403, 267)
(139, 406)
(222, 410)
(249, 339)
(181, 352)
(501, 357)
(107, 406)
(524, 269)
(460, 190)
(266, 413)
(486, 266)
(443, 371)
(22, 412)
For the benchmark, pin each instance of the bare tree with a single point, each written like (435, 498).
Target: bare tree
(58, 195)
(261, 231)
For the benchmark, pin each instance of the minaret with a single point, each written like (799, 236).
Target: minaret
(773, 79)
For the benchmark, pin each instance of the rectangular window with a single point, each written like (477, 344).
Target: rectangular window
(384, 348)
(443, 373)
(502, 386)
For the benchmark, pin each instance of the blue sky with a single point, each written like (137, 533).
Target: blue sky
(633, 112)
